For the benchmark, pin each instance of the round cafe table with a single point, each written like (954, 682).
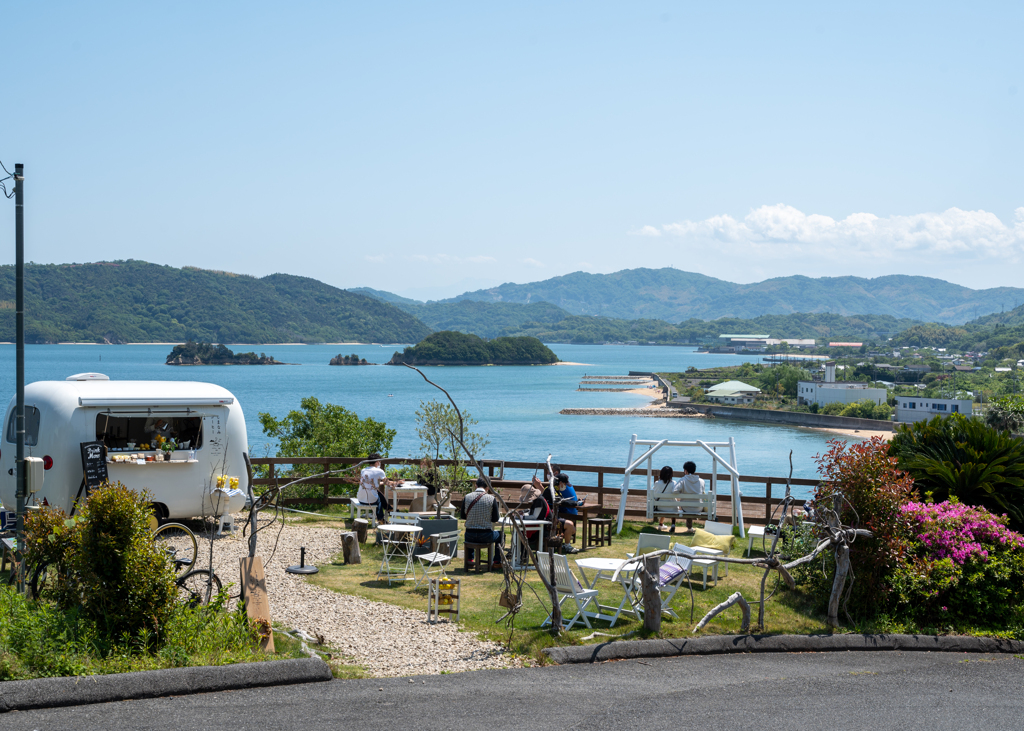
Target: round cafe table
(399, 543)
(605, 568)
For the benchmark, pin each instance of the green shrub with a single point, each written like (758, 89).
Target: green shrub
(126, 584)
(868, 478)
(963, 458)
(833, 409)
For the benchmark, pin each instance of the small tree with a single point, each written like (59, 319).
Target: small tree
(875, 490)
(438, 429)
(325, 430)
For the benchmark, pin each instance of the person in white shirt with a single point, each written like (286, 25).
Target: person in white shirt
(665, 485)
(370, 481)
(690, 484)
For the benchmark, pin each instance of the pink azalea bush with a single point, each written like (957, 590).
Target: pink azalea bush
(960, 532)
(967, 568)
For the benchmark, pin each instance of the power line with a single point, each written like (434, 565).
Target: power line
(9, 176)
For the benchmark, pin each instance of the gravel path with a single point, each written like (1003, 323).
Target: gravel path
(386, 640)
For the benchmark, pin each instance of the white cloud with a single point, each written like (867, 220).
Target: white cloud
(646, 231)
(533, 263)
(782, 229)
(374, 259)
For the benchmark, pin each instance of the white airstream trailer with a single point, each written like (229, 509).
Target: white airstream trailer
(204, 419)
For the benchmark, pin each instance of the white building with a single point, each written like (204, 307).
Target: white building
(921, 408)
(830, 391)
(732, 392)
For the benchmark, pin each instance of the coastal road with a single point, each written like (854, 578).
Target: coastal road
(852, 690)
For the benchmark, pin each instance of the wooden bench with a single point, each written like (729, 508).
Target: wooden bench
(682, 505)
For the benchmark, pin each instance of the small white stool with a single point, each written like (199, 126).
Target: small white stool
(226, 521)
(752, 532)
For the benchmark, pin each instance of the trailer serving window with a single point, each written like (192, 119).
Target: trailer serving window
(31, 426)
(117, 432)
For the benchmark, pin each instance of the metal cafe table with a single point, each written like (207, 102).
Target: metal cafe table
(605, 568)
(399, 543)
(527, 524)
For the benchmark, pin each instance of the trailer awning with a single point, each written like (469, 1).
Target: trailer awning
(152, 402)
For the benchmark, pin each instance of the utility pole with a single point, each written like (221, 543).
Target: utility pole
(21, 491)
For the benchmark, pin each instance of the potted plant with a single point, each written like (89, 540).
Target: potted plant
(168, 446)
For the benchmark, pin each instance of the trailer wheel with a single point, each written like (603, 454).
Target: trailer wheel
(160, 514)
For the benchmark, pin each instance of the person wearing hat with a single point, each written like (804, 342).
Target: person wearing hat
(533, 495)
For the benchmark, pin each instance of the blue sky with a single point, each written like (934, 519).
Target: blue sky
(432, 148)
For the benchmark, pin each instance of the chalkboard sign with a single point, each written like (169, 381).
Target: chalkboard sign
(94, 462)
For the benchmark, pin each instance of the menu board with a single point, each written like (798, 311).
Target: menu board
(94, 462)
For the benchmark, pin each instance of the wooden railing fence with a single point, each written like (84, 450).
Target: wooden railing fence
(600, 484)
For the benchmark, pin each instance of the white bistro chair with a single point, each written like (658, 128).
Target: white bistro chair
(358, 510)
(442, 555)
(569, 587)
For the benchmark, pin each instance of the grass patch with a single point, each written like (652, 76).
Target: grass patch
(38, 640)
(788, 612)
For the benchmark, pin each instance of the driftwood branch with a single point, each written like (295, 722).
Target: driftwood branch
(736, 598)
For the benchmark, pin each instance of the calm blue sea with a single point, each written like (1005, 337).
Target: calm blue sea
(517, 407)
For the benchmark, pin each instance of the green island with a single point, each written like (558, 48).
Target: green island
(192, 353)
(344, 360)
(455, 348)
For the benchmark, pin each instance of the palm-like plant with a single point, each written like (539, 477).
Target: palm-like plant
(964, 458)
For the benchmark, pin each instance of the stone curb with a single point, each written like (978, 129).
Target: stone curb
(23, 695)
(729, 644)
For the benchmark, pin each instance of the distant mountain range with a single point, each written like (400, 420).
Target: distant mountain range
(134, 301)
(673, 295)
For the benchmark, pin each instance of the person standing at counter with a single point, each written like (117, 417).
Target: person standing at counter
(370, 481)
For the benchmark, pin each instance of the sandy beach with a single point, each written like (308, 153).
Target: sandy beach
(857, 433)
(569, 362)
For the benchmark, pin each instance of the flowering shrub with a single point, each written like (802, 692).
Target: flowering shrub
(868, 478)
(967, 567)
(960, 532)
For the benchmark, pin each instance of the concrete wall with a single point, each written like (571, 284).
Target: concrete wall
(790, 417)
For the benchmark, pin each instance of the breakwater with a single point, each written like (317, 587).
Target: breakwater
(657, 413)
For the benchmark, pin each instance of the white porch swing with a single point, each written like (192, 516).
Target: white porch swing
(653, 445)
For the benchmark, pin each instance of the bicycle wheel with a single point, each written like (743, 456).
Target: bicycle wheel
(179, 544)
(43, 580)
(198, 587)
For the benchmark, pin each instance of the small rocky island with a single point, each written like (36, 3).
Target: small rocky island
(209, 354)
(455, 348)
(353, 359)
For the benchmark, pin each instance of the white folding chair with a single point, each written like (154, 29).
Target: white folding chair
(358, 510)
(404, 519)
(671, 576)
(647, 542)
(568, 587)
(698, 564)
(442, 555)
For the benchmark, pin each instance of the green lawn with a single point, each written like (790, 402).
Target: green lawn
(786, 613)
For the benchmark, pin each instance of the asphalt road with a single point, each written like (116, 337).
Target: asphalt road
(848, 690)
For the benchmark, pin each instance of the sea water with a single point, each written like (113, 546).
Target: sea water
(517, 407)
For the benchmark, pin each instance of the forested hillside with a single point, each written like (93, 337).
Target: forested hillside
(134, 301)
(673, 295)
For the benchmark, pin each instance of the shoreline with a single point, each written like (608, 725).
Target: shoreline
(855, 433)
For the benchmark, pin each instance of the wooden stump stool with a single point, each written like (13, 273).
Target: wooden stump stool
(478, 548)
(599, 532)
